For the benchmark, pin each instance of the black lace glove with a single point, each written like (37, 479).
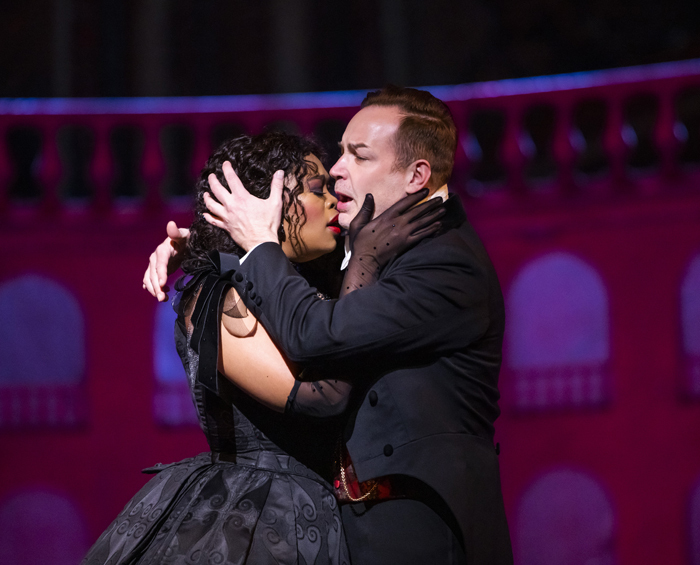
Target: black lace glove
(374, 242)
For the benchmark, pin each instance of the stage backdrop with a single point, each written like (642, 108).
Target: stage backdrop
(586, 191)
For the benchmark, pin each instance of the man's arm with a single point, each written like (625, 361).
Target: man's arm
(430, 302)
(432, 299)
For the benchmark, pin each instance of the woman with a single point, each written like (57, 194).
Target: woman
(259, 495)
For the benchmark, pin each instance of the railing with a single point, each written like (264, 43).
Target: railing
(610, 131)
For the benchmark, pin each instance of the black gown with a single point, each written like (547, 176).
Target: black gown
(246, 501)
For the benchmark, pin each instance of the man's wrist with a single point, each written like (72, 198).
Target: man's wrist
(253, 243)
(254, 247)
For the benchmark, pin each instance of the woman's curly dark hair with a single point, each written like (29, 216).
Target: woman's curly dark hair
(255, 159)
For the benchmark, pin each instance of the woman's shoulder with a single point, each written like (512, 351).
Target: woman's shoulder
(235, 316)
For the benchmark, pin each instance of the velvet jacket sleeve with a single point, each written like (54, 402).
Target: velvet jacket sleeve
(430, 300)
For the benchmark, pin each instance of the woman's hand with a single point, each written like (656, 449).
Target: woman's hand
(374, 242)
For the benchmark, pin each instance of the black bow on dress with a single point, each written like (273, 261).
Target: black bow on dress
(215, 278)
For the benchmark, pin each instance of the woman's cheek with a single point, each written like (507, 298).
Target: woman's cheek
(312, 209)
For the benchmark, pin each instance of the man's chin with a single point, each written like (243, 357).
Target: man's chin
(344, 219)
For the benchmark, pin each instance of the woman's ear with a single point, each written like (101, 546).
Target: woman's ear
(419, 175)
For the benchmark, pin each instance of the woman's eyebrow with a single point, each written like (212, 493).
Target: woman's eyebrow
(323, 178)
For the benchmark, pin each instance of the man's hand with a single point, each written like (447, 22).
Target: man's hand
(164, 261)
(248, 220)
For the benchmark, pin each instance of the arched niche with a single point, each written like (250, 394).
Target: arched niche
(557, 334)
(42, 347)
(690, 321)
(172, 402)
(565, 517)
(40, 526)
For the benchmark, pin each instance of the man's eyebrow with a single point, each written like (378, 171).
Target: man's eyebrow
(353, 147)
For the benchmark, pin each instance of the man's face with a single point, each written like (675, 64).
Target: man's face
(367, 163)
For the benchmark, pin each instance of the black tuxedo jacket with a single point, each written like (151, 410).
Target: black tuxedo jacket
(422, 348)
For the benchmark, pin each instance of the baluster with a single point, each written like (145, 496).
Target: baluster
(665, 135)
(563, 149)
(5, 168)
(514, 157)
(153, 164)
(102, 166)
(201, 130)
(50, 168)
(615, 144)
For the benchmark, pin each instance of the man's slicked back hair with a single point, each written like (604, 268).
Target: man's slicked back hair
(426, 131)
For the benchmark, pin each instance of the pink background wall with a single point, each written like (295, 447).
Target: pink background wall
(611, 477)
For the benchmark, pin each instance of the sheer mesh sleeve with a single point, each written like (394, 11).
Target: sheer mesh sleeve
(235, 317)
(316, 397)
(184, 306)
(320, 399)
(361, 273)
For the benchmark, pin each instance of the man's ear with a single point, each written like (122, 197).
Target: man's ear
(419, 173)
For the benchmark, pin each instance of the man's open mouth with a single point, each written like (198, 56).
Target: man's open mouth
(343, 202)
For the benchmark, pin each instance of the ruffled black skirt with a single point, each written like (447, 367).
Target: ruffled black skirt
(265, 508)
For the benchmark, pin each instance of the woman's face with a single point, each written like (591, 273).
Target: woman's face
(317, 236)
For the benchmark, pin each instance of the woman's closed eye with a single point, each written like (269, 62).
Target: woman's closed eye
(318, 187)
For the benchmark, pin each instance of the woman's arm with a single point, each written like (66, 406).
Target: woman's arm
(249, 358)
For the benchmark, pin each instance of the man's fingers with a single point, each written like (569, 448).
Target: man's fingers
(161, 259)
(176, 233)
(147, 283)
(214, 221)
(154, 278)
(213, 206)
(218, 189)
(277, 186)
(162, 270)
(234, 183)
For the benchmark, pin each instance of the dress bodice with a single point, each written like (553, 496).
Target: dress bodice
(236, 424)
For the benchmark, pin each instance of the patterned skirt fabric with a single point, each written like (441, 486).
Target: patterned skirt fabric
(266, 508)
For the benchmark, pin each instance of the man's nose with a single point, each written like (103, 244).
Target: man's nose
(337, 169)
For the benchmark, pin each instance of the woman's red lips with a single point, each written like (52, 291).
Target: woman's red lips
(333, 225)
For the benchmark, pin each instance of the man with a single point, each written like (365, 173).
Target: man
(422, 346)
